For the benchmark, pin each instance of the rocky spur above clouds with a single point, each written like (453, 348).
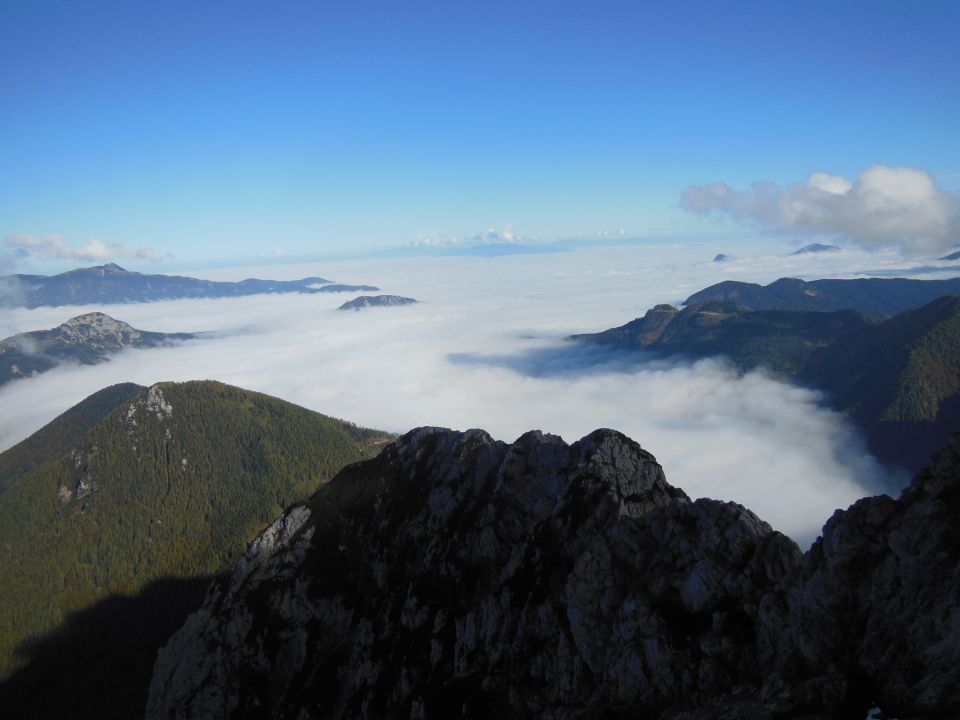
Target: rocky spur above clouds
(112, 284)
(366, 301)
(459, 576)
(86, 339)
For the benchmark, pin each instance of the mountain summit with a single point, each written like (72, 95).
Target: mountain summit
(138, 486)
(457, 576)
(87, 339)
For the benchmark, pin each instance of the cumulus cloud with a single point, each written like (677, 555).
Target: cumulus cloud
(484, 348)
(884, 207)
(55, 247)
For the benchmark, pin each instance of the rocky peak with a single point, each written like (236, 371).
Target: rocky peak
(97, 326)
(456, 575)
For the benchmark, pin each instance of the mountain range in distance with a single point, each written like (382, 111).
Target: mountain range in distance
(813, 248)
(87, 339)
(110, 283)
(145, 494)
(873, 297)
(898, 379)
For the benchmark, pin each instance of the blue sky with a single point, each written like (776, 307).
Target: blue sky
(216, 131)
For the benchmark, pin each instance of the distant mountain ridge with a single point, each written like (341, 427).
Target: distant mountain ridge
(138, 484)
(898, 379)
(111, 283)
(781, 340)
(874, 297)
(88, 339)
(816, 248)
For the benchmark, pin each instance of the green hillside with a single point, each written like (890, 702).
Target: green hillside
(58, 436)
(900, 380)
(169, 483)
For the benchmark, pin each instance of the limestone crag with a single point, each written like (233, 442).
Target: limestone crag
(458, 575)
(877, 605)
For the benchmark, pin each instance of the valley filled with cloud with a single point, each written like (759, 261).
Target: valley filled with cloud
(485, 347)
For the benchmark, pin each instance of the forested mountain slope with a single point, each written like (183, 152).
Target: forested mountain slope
(169, 483)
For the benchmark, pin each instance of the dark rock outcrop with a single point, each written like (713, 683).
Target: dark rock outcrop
(365, 301)
(456, 576)
(875, 614)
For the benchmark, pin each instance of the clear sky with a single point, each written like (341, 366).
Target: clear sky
(208, 130)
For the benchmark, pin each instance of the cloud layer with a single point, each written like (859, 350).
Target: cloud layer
(54, 247)
(462, 358)
(884, 207)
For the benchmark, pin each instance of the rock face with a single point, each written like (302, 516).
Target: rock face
(456, 576)
(365, 301)
(876, 610)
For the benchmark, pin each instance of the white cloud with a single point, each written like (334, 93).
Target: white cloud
(56, 248)
(490, 236)
(750, 439)
(884, 207)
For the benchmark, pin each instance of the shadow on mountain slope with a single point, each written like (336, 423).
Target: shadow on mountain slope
(97, 663)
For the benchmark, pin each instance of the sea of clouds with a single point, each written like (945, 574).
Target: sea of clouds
(486, 347)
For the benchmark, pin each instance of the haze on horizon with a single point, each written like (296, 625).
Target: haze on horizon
(174, 135)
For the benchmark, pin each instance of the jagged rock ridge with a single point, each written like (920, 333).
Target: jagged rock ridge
(458, 573)
(458, 576)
